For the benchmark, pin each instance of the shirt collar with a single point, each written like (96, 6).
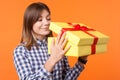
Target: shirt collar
(42, 42)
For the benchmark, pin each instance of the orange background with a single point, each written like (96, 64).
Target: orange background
(103, 15)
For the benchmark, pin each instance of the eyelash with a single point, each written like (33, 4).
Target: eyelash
(47, 19)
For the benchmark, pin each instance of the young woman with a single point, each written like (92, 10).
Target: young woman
(31, 57)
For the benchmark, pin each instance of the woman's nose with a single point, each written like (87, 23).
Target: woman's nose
(45, 21)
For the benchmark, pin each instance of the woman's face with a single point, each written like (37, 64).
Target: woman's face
(41, 27)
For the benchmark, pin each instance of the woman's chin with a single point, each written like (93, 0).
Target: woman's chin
(47, 32)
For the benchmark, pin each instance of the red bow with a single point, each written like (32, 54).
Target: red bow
(77, 27)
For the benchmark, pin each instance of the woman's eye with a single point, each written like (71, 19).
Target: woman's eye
(48, 19)
(39, 19)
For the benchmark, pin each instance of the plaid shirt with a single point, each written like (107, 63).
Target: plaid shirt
(30, 64)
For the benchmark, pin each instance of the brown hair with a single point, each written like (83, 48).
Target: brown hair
(31, 15)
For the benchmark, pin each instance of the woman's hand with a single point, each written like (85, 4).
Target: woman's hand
(82, 60)
(57, 47)
(57, 51)
(84, 57)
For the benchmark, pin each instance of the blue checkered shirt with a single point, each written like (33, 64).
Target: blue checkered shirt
(30, 64)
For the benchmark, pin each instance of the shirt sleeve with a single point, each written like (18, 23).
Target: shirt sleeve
(74, 72)
(24, 68)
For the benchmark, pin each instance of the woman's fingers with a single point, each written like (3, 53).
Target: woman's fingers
(60, 43)
(52, 43)
(66, 49)
(64, 43)
(62, 38)
(58, 37)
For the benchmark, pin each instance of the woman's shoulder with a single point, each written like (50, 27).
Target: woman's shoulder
(20, 46)
(20, 49)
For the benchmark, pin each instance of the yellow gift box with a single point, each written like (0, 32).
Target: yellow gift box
(80, 50)
(83, 39)
(78, 37)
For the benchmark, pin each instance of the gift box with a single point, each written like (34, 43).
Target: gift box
(80, 50)
(81, 37)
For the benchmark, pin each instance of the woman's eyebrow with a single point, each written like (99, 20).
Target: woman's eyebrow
(45, 16)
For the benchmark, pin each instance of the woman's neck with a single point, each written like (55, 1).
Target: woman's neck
(40, 37)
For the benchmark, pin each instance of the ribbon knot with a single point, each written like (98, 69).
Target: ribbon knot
(83, 28)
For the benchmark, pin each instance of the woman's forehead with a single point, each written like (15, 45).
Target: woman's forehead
(44, 13)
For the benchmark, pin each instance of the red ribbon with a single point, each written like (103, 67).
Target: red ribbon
(77, 27)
